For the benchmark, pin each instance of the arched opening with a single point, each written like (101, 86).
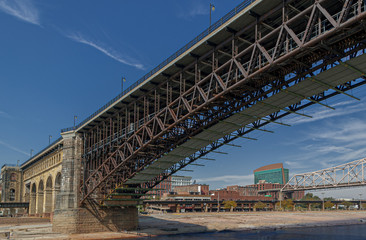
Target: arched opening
(12, 194)
(48, 196)
(40, 197)
(33, 200)
(56, 189)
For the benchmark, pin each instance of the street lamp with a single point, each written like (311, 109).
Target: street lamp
(49, 139)
(218, 200)
(212, 8)
(75, 118)
(31, 152)
(360, 201)
(122, 81)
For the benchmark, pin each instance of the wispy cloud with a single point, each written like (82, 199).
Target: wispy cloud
(5, 114)
(198, 9)
(342, 109)
(23, 10)
(333, 142)
(78, 37)
(13, 148)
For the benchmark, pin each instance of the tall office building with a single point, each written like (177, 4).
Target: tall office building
(273, 173)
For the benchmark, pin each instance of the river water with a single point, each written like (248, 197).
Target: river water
(349, 232)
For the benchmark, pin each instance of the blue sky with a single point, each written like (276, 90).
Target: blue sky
(64, 58)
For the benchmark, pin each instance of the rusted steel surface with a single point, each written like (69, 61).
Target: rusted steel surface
(290, 44)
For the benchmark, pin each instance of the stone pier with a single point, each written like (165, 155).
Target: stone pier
(69, 216)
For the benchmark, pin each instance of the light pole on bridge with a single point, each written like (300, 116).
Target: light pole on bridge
(122, 81)
(75, 118)
(212, 8)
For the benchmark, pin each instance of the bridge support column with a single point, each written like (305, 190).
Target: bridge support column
(69, 217)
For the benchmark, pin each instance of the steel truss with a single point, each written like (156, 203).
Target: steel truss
(345, 175)
(284, 47)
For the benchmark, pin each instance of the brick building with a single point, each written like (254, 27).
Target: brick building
(169, 184)
(202, 189)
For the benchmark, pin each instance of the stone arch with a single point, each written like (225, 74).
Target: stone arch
(48, 198)
(56, 190)
(40, 198)
(33, 199)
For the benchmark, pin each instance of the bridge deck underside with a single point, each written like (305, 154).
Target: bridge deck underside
(266, 69)
(335, 76)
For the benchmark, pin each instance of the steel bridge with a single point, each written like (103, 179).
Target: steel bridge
(350, 174)
(262, 61)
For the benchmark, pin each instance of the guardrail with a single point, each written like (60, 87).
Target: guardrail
(57, 140)
(204, 34)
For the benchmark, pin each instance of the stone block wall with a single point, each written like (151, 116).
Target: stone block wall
(88, 220)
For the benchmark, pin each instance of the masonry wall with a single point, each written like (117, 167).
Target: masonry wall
(68, 216)
(94, 219)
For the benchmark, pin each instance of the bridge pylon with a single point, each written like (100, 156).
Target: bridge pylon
(69, 215)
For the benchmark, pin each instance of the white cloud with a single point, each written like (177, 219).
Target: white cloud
(13, 148)
(346, 108)
(198, 9)
(77, 37)
(23, 10)
(4, 114)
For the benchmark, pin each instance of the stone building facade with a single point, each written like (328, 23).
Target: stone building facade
(11, 180)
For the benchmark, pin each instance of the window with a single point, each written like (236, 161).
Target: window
(12, 195)
(13, 177)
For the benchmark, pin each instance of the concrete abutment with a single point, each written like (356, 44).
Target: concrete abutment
(68, 216)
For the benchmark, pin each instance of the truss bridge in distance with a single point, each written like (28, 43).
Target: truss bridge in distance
(351, 174)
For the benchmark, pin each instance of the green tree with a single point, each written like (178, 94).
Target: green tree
(311, 197)
(328, 205)
(288, 204)
(230, 205)
(329, 199)
(260, 205)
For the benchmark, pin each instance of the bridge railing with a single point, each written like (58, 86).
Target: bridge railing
(175, 55)
(49, 145)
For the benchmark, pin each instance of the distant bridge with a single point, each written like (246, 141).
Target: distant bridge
(350, 174)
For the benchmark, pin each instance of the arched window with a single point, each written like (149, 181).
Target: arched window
(12, 195)
(13, 177)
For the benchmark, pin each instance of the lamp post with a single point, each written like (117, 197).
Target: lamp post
(212, 8)
(218, 201)
(360, 201)
(49, 139)
(122, 80)
(323, 201)
(31, 152)
(75, 118)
